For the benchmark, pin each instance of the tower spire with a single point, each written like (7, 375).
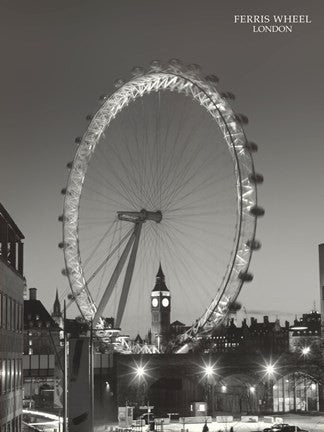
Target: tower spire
(57, 306)
(160, 281)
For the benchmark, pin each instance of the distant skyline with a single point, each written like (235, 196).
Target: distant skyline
(57, 58)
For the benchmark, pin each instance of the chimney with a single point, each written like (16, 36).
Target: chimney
(266, 319)
(32, 293)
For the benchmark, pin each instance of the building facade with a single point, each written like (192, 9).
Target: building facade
(12, 285)
(42, 360)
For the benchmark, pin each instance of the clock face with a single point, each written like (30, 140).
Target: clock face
(165, 302)
(155, 302)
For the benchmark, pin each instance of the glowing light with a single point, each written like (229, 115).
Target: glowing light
(313, 386)
(140, 371)
(306, 350)
(252, 389)
(270, 369)
(209, 370)
(224, 388)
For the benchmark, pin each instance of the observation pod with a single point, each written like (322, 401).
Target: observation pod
(251, 146)
(246, 276)
(257, 211)
(254, 244)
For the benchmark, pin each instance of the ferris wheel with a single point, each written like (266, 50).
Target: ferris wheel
(163, 175)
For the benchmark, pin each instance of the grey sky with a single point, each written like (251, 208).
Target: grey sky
(57, 57)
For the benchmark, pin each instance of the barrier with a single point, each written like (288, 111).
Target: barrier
(224, 419)
(197, 419)
(268, 419)
(250, 419)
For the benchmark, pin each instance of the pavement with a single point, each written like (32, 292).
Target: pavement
(307, 422)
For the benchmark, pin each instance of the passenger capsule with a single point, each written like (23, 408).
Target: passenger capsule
(89, 117)
(60, 218)
(61, 245)
(119, 83)
(69, 165)
(235, 306)
(256, 178)
(138, 71)
(245, 276)
(70, 296)
(254, 244)
(257, 211)
(251, 147)
(175, 63)
(213, 79)
(155, 65)
(63, 191)
(193, 67)
(102, 97)
(64, 272)
(78, 140)
(228, 96)
(242, 119)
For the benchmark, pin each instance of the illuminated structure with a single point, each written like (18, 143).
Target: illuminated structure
(150, 186)
(321, 278)
(12, 285)
(160, 311)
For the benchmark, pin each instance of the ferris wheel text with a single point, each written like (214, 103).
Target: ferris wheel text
(272, 23)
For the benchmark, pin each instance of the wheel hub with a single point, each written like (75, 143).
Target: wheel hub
(141, 216)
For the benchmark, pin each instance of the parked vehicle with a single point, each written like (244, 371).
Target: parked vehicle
(284, 427)
(276, 427)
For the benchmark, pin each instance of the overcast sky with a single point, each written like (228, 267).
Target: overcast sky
(58, 57)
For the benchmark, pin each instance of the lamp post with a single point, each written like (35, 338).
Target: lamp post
(209, 373)
(270, 371)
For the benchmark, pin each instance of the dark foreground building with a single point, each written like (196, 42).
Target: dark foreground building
(11, 323)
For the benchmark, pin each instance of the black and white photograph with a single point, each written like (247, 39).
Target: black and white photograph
(161, 216)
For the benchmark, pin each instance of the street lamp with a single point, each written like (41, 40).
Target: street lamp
(270, 369)
(140, 371)
(209, 372)
(306, 350)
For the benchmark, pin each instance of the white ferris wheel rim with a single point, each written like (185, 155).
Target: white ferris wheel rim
(174, 79)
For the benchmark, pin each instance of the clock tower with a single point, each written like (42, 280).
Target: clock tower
(160, 310)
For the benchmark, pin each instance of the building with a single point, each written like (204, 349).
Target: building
(42, 363)
(305, 333)
(160, 310)
(264, 337)
(12, 285)
(321, 280)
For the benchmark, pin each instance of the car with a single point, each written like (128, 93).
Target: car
(292, 428)
(276, 427)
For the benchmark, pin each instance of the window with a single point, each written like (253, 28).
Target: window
(8, 312)
(4, 311)
(4, 376)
